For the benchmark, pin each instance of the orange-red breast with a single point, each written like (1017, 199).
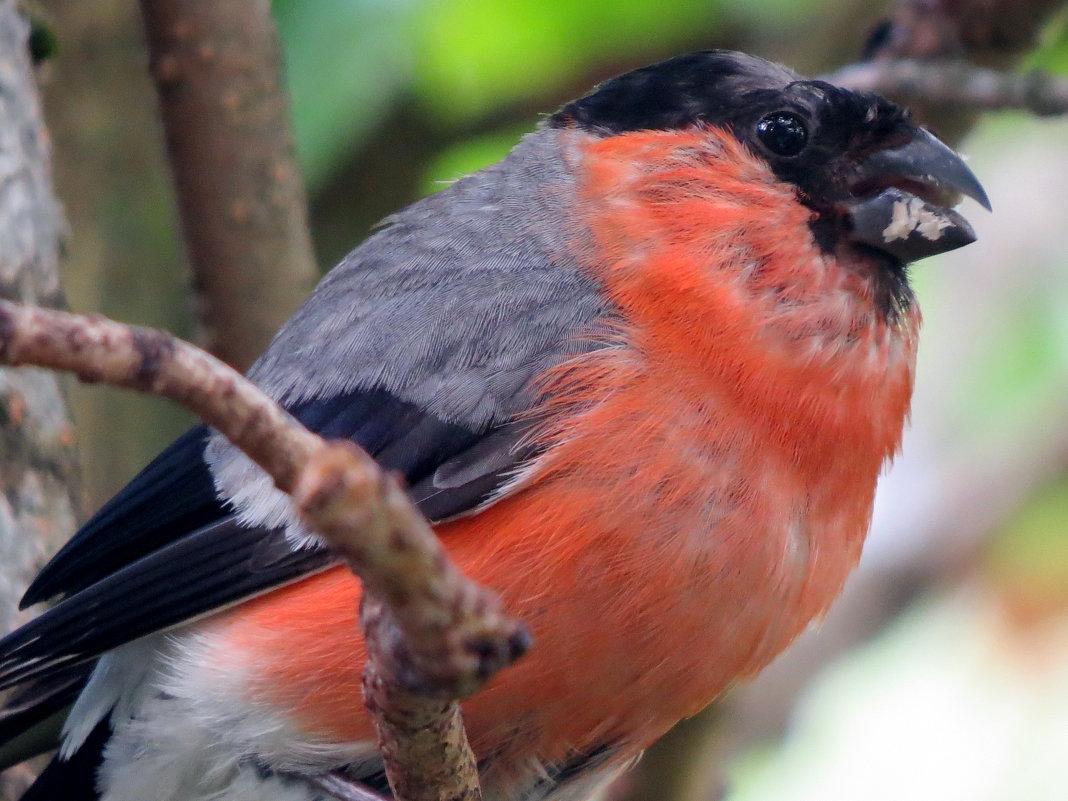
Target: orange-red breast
(643, 373)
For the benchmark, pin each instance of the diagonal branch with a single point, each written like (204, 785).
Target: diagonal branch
(433, 636)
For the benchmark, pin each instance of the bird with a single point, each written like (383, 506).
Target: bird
(642, 376)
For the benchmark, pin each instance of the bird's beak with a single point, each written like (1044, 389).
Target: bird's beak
(902, 199)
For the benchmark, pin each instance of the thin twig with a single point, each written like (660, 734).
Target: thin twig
(987, 34)
(411, 734)
(958, 85)
(432, 635)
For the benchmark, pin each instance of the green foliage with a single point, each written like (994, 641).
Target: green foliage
(1027, 355)
(1052, 55)
(1053, 52)
(346, 62)
(476, 54)
(773, 13)
(350, 61)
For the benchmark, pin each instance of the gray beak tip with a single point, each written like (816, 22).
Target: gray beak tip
(982, 199)
(949, 168)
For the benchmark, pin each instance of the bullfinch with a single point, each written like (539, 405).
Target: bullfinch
(642, 375)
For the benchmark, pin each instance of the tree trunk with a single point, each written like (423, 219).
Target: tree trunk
(218, 72)
(122, 259)
(36, 438)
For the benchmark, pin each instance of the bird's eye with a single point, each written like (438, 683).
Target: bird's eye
(783, 133)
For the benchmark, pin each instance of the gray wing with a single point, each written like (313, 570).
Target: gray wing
(450, 311)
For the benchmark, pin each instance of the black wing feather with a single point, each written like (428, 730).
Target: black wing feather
(171, 497)
(24, 720)
(175, 494)
(218, 564)
(73, 779)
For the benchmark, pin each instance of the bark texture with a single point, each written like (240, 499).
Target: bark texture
(217, 68)
(36, 438)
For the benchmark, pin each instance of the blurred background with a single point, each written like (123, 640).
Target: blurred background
(943, 672)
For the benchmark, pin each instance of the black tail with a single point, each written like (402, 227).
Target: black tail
(73, 779)
(30, 720)
(34, 712)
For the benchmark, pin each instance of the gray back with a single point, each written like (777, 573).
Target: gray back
(454, 305)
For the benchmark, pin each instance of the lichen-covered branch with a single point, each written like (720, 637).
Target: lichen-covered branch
(423, 742)
(432, 635)
(217, 69)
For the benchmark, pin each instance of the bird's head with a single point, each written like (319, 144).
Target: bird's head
(870, 175)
